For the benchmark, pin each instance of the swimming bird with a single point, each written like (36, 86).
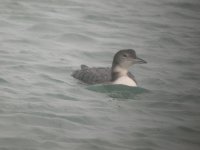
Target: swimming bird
(117, 74)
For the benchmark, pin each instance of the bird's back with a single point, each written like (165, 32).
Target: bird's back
(93, 75)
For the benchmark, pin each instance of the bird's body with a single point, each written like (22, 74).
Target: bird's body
(117, 74)
(95, 75)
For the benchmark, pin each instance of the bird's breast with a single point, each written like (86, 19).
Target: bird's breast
(125, 80)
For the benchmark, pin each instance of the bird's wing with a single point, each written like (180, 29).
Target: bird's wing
(93, 75)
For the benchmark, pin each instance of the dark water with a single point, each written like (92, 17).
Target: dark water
(42, 107)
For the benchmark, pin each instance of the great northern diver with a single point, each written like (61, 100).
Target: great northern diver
(117, 74)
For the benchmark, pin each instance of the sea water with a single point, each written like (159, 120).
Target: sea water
(42, 107)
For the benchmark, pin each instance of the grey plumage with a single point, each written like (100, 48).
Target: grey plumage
(93, 75)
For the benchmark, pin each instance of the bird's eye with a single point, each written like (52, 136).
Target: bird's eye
(125, 55)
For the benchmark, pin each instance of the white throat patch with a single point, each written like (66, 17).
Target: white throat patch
(121, 71)
(123, 77)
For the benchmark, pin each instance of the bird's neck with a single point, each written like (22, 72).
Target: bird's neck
(118, 71)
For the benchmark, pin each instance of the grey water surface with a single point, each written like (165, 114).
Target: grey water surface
(43, 108)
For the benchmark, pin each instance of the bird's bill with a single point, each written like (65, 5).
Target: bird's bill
(139, 61)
